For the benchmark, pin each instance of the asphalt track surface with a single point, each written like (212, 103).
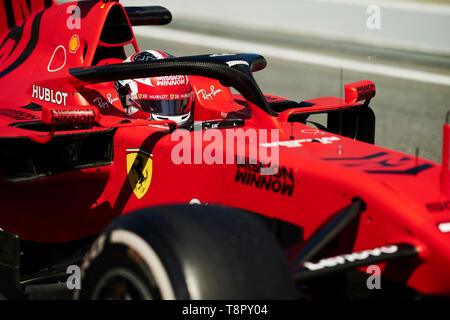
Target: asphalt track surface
(409, 113)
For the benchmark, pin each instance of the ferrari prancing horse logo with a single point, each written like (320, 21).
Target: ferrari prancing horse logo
(139, 171)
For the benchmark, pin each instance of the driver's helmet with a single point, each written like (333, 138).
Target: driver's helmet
(158, 98)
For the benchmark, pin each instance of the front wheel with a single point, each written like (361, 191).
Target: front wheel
(186, 252)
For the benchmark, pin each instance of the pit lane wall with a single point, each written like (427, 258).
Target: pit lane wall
(397, 24)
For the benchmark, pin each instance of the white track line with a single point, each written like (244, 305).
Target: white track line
(422, 7)
(289, 54)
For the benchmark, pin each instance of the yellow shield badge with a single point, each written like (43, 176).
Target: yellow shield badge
(139, 170)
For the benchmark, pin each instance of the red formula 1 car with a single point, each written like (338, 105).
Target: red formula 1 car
(149, 210)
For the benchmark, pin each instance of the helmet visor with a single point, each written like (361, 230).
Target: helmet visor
(173, 107)
(162, 104)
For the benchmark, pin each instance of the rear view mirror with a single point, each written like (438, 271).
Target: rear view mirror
(357, 91)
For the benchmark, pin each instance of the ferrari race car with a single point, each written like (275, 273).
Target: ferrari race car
(252, 200)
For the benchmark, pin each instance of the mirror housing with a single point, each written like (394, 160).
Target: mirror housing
(360, 90)
(147, 16)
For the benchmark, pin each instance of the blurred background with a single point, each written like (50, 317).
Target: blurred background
(313, 47)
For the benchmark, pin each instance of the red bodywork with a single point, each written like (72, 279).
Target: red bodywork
(405, 199)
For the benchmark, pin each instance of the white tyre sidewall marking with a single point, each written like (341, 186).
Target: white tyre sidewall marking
(150, 257)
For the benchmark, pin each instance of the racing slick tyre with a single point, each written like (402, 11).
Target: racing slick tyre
(186, 252)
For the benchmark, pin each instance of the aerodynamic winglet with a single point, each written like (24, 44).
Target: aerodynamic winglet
(326, 266)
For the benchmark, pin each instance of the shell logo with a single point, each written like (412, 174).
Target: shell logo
(74, 44)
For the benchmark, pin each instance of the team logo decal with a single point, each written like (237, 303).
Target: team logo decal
(209, 96)
(49, 95)
(74, 44)
(139, 171)
(58, 59)
(168, 81)
(384, 163)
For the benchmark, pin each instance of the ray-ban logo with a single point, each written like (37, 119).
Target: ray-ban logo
(210, 95)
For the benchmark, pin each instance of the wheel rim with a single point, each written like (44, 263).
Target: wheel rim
(121, 284)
